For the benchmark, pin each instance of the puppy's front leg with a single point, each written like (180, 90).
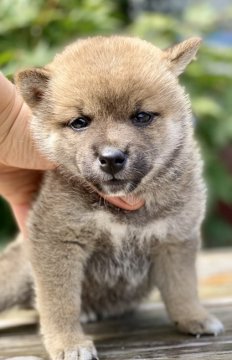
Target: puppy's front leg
(58, 269)
(175, 276)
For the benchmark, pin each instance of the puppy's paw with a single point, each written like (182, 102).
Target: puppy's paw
(209, 325)
(85, 351)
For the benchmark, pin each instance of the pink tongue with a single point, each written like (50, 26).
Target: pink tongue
(125, 202)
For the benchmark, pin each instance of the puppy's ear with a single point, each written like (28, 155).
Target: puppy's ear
(33, 84)
(180, 55)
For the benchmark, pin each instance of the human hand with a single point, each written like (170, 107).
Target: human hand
(21, 164)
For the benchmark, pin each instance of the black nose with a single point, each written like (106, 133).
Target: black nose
(112, 160)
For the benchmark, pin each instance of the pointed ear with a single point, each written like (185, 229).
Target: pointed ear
(180, 55)
(32, 84)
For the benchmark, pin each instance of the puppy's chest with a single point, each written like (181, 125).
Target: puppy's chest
(127, 264)
(123, 253)
(140, 234)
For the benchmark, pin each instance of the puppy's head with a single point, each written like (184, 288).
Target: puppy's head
(110, 110)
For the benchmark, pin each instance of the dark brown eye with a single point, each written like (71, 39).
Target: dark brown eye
(79, 123)
(143, 118)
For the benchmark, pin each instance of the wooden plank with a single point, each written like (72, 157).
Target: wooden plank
(16, 318)
(146, 334)
(215, 273)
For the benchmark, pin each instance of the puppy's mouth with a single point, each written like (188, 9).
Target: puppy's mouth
(115, 186)
(118, 193)
(120, 188)
(115, 183)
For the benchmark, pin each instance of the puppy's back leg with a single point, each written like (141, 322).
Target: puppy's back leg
(16, 284)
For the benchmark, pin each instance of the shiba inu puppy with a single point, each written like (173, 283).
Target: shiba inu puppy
(122, 212)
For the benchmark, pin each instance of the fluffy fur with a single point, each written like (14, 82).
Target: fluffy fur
(89, 258)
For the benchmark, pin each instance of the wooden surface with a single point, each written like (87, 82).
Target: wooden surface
(147, 334)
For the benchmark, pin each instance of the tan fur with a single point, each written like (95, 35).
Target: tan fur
(89, 258)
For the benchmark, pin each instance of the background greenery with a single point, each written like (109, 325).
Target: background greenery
(32, 31)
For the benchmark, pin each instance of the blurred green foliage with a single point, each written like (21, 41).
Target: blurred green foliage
(32, 31)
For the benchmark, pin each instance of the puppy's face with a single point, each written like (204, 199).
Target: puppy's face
(110, 110)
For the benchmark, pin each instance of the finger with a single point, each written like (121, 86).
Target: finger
(7, 92)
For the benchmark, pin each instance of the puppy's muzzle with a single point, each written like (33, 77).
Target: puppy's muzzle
(112, 160)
